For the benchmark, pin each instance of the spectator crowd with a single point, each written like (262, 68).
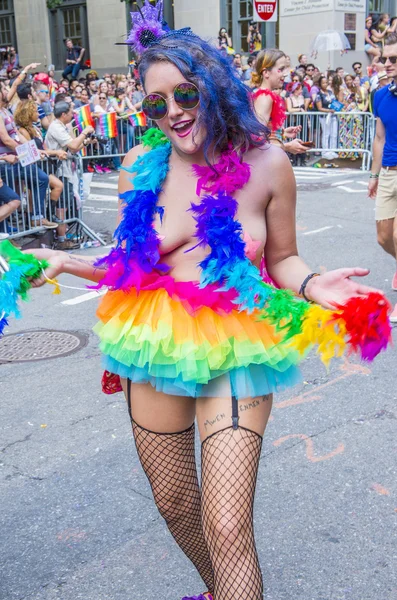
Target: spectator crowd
(38, 107)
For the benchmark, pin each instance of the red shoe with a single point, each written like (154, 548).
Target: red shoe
(394, 282)
(393, 315)
(90, 169)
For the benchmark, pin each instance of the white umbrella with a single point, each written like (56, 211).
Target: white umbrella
(328, 41)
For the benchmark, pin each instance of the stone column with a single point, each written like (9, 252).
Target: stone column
(203, 16)
(33, 33)
(107, 24)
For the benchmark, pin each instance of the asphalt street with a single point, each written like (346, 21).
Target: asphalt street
(77, 520)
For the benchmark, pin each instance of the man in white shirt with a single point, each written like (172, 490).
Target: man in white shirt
(59, 137)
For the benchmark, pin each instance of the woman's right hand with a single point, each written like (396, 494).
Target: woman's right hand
(56, 260)
(295, 147)
(292, 132)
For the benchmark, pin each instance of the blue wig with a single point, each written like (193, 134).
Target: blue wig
(225, 110)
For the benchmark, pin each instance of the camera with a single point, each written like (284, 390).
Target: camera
(96, 138)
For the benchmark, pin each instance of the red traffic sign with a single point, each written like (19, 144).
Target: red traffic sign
(265, 10)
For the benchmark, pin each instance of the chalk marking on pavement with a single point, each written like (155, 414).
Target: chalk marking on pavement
(342, 182)
(362, 183)
(310, 447)
(97, 198)
(328, 172)
(105, 186)
(318, 230)
(348, 370)
(348, 189)
(94, 209)
(84, 298)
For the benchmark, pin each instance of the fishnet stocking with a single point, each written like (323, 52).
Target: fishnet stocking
(230, 461)
(168, 460)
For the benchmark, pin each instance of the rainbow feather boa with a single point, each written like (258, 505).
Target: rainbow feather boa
(361, 326)
(15, 281)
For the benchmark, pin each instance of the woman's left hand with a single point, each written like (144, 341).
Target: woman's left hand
(336, 287)
(292, 132)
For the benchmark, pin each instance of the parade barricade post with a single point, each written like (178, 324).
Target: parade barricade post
(25, 181)
(110, 144)
(348, 134)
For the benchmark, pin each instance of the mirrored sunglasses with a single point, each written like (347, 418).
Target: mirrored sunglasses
(186, 95)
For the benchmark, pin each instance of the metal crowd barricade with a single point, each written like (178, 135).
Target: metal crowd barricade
(32, 185)
(348, 134)
(106, 150)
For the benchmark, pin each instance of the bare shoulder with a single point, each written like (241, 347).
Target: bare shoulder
(126, 177)
(133, 154)
(263, 100)
(271, 164)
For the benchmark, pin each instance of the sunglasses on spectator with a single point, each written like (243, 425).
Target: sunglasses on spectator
(44, 91)
(383, 59)
(357, 68)
(309, 70)
(102, 97)
(186, 95)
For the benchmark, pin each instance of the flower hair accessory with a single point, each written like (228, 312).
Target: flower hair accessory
(149, 27)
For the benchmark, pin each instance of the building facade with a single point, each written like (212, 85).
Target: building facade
(38, 32)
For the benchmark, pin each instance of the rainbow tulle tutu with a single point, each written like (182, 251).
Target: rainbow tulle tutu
(192, 342)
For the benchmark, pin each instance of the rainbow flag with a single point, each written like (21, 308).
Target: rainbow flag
(53, 93)
(83, 117)
(138, 119)
(107, 126)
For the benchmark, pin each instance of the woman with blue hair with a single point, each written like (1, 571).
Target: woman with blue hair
(187, 323)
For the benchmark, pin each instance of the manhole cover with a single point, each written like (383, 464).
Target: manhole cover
(39, 345)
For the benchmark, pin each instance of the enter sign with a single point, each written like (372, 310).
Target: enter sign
(265, 10)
